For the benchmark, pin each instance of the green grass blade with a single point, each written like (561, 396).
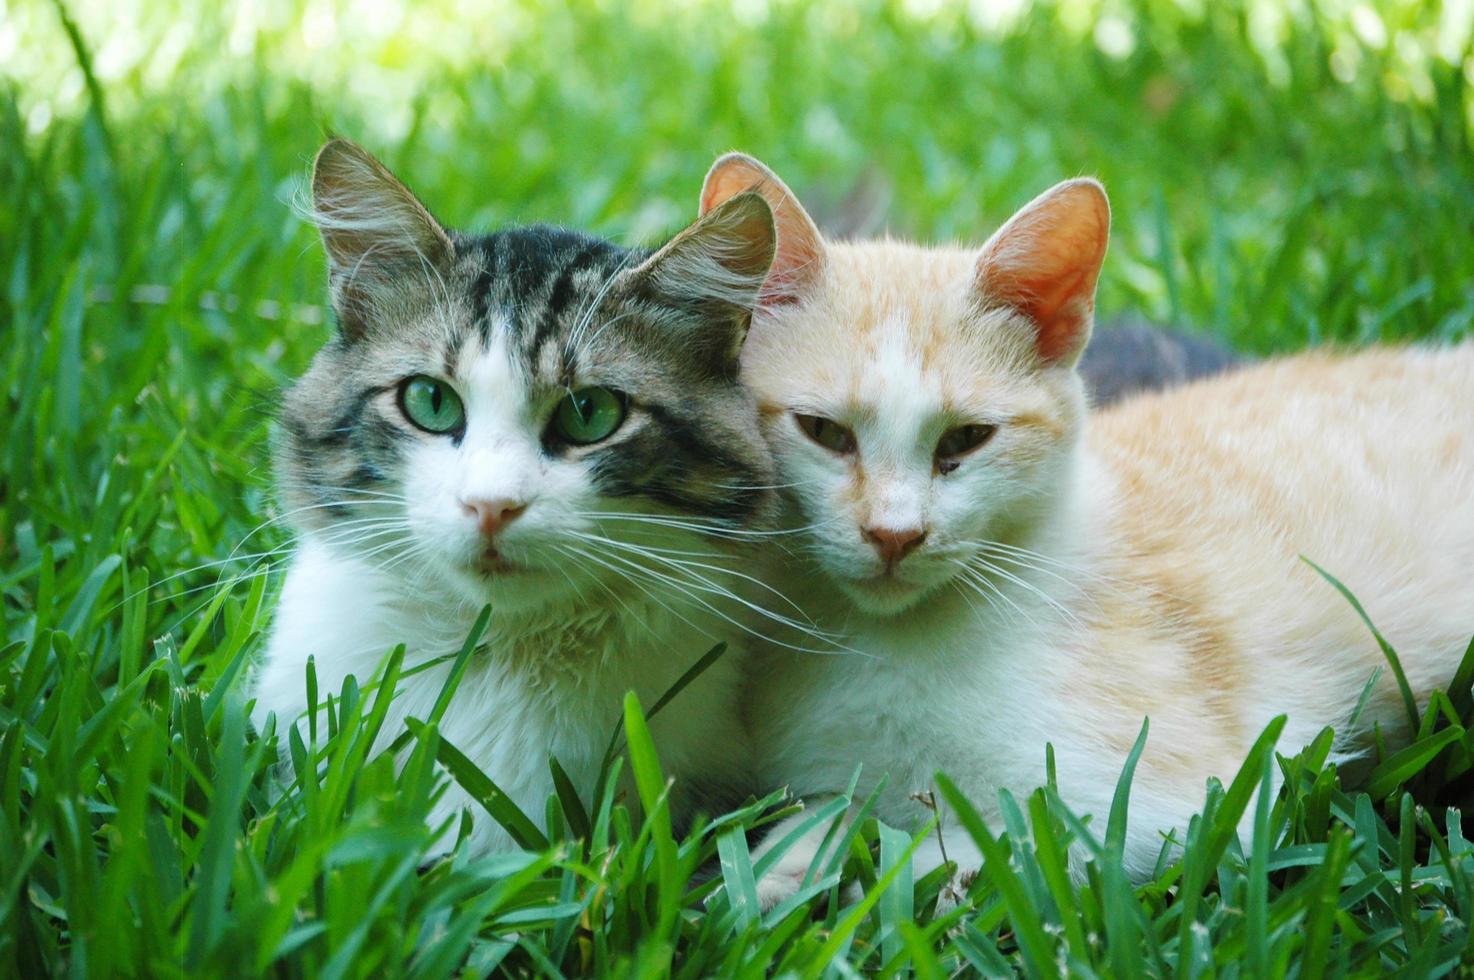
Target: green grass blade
(1321, 917)
(651, 784)
(573, 808)
(1409, 704)
(691, 673)
(1398, 768)
(222, 830)
(458, 669)
(1052, 857)
(485, 792)
(1461, 689)
(1256, 908)
(845, 929)
(737, 874)
(1035, 945)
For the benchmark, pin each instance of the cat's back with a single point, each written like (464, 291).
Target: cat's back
(1361, 463)
(1300, 432)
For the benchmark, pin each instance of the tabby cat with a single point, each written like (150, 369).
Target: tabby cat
(545, 423)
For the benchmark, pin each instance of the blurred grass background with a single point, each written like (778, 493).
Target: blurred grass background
(1282, 173)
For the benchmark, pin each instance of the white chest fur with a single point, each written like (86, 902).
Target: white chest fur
(553, 686)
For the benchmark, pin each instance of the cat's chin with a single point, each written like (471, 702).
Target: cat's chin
(510, 589)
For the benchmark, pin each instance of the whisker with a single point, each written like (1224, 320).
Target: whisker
(1075, 587)
(1122, 587)
(716, 530)
(664, 557)
(1030, 587)
(1042, 559)
(606, 325)
(713, 589)
(574, 346)
(638, 585)
(979, 582)
(328, 487)
(763, 486)
(278, 518)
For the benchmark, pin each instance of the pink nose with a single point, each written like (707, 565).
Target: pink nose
(894, 544)
(492, 515)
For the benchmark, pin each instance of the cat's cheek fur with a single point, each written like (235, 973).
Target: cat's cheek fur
(835, 503)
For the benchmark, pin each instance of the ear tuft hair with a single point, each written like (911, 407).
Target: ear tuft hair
(715, 269)
(374, 230)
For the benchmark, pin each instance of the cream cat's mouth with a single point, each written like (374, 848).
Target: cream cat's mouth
(885, 593)
(887, 581)
(493, 563)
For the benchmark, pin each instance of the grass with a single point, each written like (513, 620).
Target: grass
(1279, 179)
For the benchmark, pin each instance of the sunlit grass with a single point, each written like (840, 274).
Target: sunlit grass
(1278, 179)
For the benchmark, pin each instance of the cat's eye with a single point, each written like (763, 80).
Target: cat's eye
(589, 415)
(827, 433)
(959, 442)
(431, 404)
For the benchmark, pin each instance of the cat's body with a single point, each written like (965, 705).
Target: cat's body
(1013, 573)
(541, 422)
(1182, 599)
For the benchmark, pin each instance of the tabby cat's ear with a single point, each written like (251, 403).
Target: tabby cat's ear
(380, 240)
(800, 254)
(713, 272)
(1044, 263)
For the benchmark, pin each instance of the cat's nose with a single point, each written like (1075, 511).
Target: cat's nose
(492, 515)
(893, 544)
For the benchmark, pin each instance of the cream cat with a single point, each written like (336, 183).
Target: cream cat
(1018, 573)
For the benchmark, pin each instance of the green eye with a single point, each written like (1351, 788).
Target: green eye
(827, 433)
(963, 439)
(430, 404)
(588, 415)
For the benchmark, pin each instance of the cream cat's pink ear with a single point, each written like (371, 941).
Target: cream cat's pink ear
(800, 256)
(378, 236)
(1045, 261)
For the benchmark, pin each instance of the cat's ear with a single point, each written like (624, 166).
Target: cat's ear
(379, 238)
(1044, 263)
(800, 253)
(714, 271)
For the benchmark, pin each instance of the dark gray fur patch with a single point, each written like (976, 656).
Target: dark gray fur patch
(1129, 357)
(699, 452)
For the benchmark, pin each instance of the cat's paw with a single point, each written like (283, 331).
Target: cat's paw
(775, 888)
(779, 885)
(783, 880)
